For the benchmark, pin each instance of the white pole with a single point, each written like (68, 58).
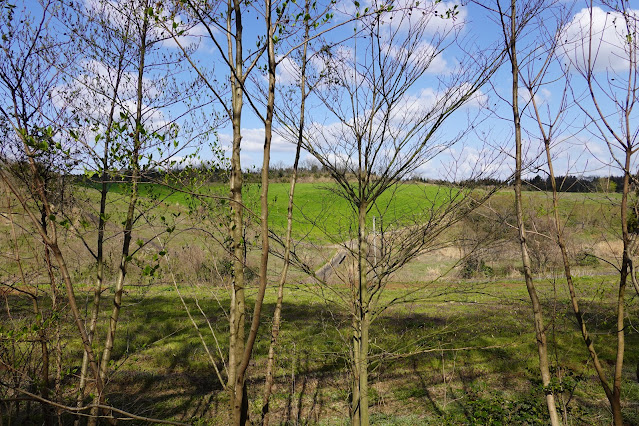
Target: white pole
(374, 242)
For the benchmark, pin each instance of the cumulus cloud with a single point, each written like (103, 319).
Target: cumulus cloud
(424, 54)
(119, 12)
(542, 96)
(428, 99)
(467, 162)
(288, 71)
(598, 37)
(91, 93)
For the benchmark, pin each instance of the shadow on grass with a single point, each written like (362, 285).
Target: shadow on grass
(161, 370)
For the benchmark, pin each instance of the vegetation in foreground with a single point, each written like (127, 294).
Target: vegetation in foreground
(112, 89)
(457, 351)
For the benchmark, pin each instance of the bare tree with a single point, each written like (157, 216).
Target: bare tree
(53, 113)
(225, 29)
(377, 132)
(510, 27)
(28, 78)
(552, 130)
(299, 128)
(109, 48)
(609, 101)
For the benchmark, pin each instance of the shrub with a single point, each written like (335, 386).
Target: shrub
(473, 266)
(586, 259)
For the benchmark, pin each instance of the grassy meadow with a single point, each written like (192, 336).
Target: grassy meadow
(454, 344)
(319, 212)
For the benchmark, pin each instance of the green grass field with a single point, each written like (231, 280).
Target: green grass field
(319, 212)
(465, 357)
(457, 351)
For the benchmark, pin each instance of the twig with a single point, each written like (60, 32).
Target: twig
(77, 410)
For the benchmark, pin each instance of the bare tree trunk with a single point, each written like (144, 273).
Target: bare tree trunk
(561, 243)
(58, 349)
(97, 294)
(44, 339)
(623, 281)
(128, 224)
(623, 95)
(104, 189)
(57, 254)
(237, 310)
(540, 331)
(277, 314)
(360, 397)
(355, 412)
(241, 417)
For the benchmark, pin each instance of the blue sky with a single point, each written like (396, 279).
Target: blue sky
(579, 148)
(486, 146)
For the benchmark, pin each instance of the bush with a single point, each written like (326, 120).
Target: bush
(496, 410)
(474, 266)
(587, 259)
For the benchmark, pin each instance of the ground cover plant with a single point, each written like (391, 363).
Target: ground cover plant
(456, 351)
(318, 212)
(457, 358)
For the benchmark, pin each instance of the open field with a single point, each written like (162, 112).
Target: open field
(466, 356)
(320, 213)
(455, 345)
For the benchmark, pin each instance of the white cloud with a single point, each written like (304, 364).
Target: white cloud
(288, 71)
(253, 141)
(438, 17)
(91, 93)
(429, 98)
(541, 97)
(607, 48)
(193, 37)
(120, 12)
(468, 162)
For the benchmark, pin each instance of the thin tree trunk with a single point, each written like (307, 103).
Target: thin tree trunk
(237, 310)
(566, 261)
(128, 225)
(46, 384)
(97, 295)
(623, 280)
(355, 355)
(363, 317)
(58, 352)
(104, 189)
(241, 410)
(625, 142)
(277, 315)
(540, 331)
